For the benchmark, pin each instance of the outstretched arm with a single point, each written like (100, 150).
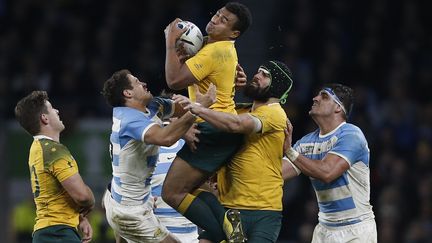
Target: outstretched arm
(167, 136)
(243, 123)
(177, 74)
(205, 100)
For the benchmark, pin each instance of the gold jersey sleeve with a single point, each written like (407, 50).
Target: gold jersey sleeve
(253, 179)
(216, 63)
(51, 163)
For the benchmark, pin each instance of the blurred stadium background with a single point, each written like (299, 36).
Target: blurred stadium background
(382, 48)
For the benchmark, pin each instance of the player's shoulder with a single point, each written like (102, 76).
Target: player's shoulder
(156, 102)
(310, 137)
(243, 107)
(127, 114)
(351, 129)
(273, 110)
(124, 112)
(218, 46)
(53, 151)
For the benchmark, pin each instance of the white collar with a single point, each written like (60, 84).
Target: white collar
(38, 137)
(274, 103)
(325, 135)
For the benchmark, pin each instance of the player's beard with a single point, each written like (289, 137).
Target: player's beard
(256, 93)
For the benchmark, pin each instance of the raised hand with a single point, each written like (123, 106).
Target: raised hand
(173, 32)
(240, 78)
(181, 100)
(191, 138)
(208, 98)
(288, 136)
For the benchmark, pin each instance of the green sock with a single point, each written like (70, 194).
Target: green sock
(213, 203)
(197, 211)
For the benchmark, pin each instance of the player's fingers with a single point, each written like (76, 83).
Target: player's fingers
(178, 98)
(239, 67)
(196, 89)
(212, 88)
(241, 82)
(86, 240)
(196, 131)
(289, 125)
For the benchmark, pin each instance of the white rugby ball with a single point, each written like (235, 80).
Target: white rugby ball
(192, 38)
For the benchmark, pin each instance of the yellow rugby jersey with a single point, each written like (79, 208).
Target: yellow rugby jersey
(50, 163)
(216, 63)
(253, 178)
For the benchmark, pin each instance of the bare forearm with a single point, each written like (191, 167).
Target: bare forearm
(88, 201)
(313, 168)
(174, 131)
(79, 191)
(310, 167)
(326, 170)
(172, 66)
(86, 205)
(288, 171)
(223, 121)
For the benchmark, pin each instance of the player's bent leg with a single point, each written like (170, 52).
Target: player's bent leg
(212, 201)
(180, 180)
(228, 219)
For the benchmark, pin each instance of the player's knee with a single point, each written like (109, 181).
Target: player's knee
(167, 195)
(172, 197)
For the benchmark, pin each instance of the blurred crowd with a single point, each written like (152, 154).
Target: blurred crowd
(381, 48)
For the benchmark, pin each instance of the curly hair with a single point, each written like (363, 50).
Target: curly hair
(114, 86)
(243, 14)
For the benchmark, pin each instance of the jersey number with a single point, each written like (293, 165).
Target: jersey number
(37, 187)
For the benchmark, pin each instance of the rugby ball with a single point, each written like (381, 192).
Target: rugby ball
(192, 39)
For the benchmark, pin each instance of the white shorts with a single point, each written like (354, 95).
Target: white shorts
(363, 232)
(182, 224)
(134, 223)
(188, 237)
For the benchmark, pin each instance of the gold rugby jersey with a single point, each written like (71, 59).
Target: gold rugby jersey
(50, 163)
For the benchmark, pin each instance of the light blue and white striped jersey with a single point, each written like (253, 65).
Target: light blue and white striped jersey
(133, 161)
(345, 200)
(169, 217)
